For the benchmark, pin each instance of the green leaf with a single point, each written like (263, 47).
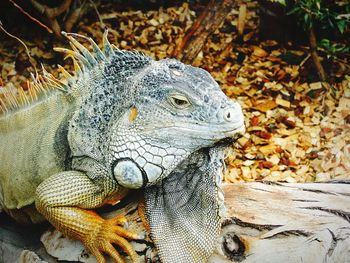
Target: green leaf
(318, 4)
(281, 2)
(326, 43)
(342, 25)
(294, 10)
(307, 22)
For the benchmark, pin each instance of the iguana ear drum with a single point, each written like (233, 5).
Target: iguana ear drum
(128, 174)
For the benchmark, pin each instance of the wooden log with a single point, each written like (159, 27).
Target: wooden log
(266, 222)
(210, 20)
(286, 223)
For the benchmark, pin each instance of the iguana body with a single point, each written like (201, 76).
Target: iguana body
(125, 121)
(36, 138)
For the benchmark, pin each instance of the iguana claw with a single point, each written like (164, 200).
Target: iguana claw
(107, 232)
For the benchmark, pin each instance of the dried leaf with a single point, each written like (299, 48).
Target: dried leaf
(255, 121)
(289, 123)
(282, 102)
(264, 135)
(267, 149)
(259, 52)
(265, 164)
(265, 106)
(242, 141)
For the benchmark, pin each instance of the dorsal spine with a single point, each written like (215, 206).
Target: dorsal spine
(83, 60)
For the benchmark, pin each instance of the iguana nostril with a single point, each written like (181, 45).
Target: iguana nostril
(229, 114)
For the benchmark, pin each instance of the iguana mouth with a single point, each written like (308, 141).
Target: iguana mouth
(227, 141)
(184, 209)
(212, 133)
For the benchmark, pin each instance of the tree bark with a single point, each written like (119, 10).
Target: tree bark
(210, 20)
(265, 222)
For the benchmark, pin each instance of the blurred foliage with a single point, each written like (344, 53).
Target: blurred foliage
(329, 16)
(326, 25)
(333, 49)
(321, 13)
(282, 2)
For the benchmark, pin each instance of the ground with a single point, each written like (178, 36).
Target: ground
(297, 127)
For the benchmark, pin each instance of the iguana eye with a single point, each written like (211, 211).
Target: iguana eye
(179, 101)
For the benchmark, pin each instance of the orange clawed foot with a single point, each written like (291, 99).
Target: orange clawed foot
(107, 232)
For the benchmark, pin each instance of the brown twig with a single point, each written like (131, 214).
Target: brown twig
(103, 25)
(52, 12)
(72, 19)
(75, 14)
(304, 60)
(316, 59)
(31, 60)
(31, 17)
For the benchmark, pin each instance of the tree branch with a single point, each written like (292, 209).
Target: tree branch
(73, 18)
(51, 12)
(210, 20)
(30, 58)
(30, 17)
(316, 59)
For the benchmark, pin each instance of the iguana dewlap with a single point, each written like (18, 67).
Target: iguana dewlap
(124, 121)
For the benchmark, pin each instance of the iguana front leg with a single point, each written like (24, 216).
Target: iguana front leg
(64, 199)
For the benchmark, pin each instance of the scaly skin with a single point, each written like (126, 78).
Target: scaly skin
(124, 122)
(33, 147)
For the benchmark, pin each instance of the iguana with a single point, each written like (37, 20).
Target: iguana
(124, 121)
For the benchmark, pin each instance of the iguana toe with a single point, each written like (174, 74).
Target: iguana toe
(106, 233)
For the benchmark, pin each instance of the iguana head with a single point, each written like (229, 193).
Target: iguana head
(176, 110)
(140, 118)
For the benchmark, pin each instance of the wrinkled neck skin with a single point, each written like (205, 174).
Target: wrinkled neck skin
(185, 210)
